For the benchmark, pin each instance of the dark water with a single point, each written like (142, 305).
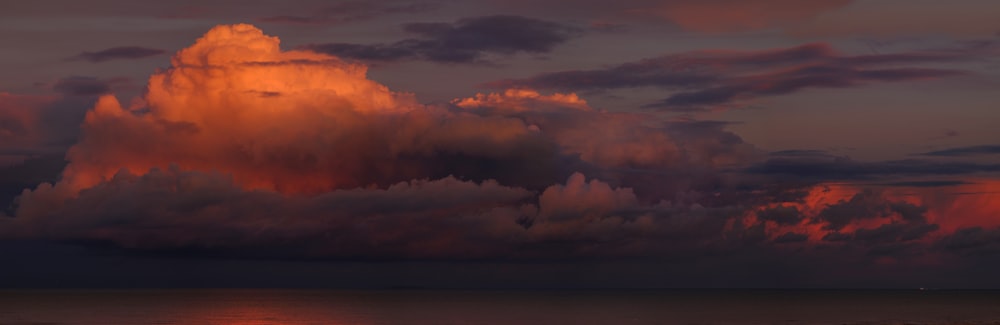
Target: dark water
(253, 307)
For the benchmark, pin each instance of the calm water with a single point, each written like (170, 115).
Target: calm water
(496, 307)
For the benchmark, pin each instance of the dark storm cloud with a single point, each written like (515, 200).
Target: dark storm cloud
(38, 168)
(788, 82)
(902, 224)
(800, 153)
(843, 168)
(940, 183)
(351, 11)
(468, 40)
(791, 237)
(119, 53)
(965, 151)
(33, 126)
(35, 133)
(781, 215)
(868, 205)
(212, 213)
(706, 78)
(864, 205)
(975, 241)
(836, 237)
(82, 86)
(895, 232)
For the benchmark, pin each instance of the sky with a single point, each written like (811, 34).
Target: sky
(500, 144)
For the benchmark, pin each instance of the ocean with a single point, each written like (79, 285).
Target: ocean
(267, 306)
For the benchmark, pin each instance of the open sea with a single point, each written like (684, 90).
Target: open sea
(263, 306)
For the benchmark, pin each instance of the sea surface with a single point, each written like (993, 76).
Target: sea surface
(259, 306)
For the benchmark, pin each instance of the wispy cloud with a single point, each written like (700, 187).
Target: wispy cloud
(469, 40)
(118, 53)
(718, 77)
(965, 151)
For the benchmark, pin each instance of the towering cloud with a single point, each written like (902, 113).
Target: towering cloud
(312, 141)
(240, 148)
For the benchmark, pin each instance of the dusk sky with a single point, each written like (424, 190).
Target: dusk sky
(500, 143)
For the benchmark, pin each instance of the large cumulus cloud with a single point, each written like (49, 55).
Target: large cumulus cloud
(240, 148)
(236, 120)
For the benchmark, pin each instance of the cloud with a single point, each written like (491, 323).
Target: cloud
(726, 16)
(351, 11)
(35, 126)
(830, 168)
(294, 122)
(791, 237)
(628, 140)
(119, 53)
(35, 132)
(240, 149)
(965, 151)
(801, 153)
(782, 215)
(579, 197)
(937, 183)
(910, 18)
(235, 119)
(795, 80)
(703, 16)
(720, 77)
(172, 209)
(976, 241)
(87, 86)
(864, 205)
(469, 40)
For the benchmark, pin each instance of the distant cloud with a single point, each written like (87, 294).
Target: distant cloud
(719, 77)
(702, 16)
(350, 11)
(866, 18)
(965, 151)
(721, 16)
(469, 40)
(608, 26)
(791, 237)
(942, 183)
(800, 153)
(974, 241)
(84, 86)
(781, 215)
(795, 80)
(119, 53)
(245, 150)
(843, 168)
(38, 127)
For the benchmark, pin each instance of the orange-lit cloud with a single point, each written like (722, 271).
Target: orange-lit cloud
(290, 121)
(523, 100)
(843, 209)
(242, 148)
